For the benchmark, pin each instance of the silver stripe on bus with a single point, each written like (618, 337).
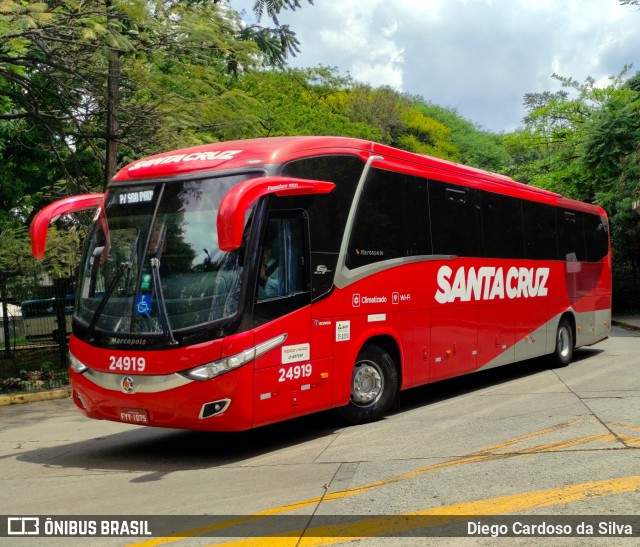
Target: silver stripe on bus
(143, 383)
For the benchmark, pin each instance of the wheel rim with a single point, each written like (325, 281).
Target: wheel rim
(368, 383)
(564, 342)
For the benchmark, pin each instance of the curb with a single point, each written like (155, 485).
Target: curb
(623, 324)
(61, 393)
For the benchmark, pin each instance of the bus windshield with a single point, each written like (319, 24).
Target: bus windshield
(152, 264)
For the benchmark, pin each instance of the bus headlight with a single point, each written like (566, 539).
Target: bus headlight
(77, 365)
(211, 370)
(207, 371)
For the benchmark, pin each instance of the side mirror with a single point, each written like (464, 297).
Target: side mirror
(52, 212)
(238, 200)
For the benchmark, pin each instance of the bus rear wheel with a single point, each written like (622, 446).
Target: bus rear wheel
(563, 353)
(374, 384)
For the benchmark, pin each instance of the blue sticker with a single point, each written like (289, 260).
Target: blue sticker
(143, 304)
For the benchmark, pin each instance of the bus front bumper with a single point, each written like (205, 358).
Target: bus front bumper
(223, 403)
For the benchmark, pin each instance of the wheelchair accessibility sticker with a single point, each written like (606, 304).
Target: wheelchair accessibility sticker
(143, 304)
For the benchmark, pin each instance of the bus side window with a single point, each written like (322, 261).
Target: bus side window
(282, 275)
(502, 231)
(571, 236)
(455, 220)
(539, 231)
(596, 233)
(392, 219)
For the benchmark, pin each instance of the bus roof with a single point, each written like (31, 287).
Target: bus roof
(235, 154)
(264, 151)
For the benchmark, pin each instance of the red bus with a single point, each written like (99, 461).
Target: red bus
(237, 284)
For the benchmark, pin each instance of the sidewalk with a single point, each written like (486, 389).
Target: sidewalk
(16, 398)
(630, 322)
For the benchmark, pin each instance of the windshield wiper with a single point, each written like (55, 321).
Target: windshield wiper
(157, 287)
(114, 282)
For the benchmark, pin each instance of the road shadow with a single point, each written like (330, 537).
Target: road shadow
(469, 383)
(159, 452)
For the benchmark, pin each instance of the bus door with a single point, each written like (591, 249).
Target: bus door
(287, 381)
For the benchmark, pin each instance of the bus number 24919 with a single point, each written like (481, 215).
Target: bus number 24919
(127, 364)
(294, 373)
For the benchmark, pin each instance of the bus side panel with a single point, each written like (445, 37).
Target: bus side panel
(291, 390)
(586, 284)
(454, 341)
(496, 333)
(531, 327)
(421, 347)
(290, 380)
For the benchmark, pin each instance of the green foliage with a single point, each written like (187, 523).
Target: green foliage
(318, 101)
(474, 145)
(14, 251)
(302, 102)
(425, 135)
(176, 63)
(584, 142)
(176, 60)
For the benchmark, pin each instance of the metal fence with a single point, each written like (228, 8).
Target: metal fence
(35, 322)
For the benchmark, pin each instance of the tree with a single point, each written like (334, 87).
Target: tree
(612, 158)
(174, 64)
(474, 145)
(172, 55)
(548, 150)
(303, 102)
(584, 142)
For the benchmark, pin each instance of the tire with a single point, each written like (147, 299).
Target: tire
(563, 353)
(374, 384)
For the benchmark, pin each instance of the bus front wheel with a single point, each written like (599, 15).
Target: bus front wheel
(374, 384)
(563, 353)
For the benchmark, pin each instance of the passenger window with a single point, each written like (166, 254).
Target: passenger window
(571, 236)
(596, 232)
(455, 220)
(392, 219)
(502, 229)
(539, 231)
(329, 212)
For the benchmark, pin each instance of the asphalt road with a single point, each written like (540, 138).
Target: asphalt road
(519, 440)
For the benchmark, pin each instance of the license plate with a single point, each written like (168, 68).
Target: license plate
(134, 415)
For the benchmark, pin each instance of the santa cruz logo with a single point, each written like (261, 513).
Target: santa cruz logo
(182, 158)
(490, 283)
(127, 384)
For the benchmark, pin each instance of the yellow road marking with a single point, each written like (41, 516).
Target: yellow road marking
(618, 424)
(381, 526)
(485, 454)
(628, 440)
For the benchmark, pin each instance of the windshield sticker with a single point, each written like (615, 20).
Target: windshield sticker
(143, 304)
(141, 196)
